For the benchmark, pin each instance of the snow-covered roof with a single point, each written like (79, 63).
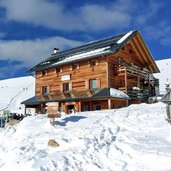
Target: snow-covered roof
(85, 55)
(118, 93)
(77, 95)
(90, 50)
(124, 37)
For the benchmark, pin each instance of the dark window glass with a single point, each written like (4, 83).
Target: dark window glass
(65, 87)
(75, 66)
(93, 63)
(44, 90)
(97, 107)
(130, 51)
(58, 70)
(44, 73)
(85, 108)
(120, 60)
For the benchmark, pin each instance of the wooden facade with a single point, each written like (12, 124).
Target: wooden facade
(130, 67)
(78, 79)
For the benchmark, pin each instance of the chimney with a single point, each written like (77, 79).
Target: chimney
(55, 50)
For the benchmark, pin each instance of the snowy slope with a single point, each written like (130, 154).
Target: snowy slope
(14, 91)
(165, 73)
(127, 139)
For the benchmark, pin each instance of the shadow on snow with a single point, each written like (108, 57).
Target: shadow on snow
(64, 121)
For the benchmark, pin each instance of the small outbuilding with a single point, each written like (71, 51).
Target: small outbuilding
(167, 99)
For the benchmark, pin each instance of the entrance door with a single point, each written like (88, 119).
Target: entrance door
(70, 109)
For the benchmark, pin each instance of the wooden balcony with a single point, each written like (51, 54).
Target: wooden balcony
(133, 76)
(132, 70)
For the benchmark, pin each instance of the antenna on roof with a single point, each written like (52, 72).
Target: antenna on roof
(55, 50)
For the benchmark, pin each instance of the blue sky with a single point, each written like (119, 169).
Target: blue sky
(30, 29)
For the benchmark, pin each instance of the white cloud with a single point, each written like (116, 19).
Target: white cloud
(56, 16)
(30, 52)
(97, 17)
(20, 54)
(118, 14)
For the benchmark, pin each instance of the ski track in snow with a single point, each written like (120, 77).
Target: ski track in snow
(133, 138)
(14, 91)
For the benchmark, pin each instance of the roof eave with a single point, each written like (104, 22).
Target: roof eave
(70, 62)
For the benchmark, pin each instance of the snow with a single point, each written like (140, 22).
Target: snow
(132, 138)
(124, 37)
(117, 93)
(99, 51)
(165, 70)
(14, 91)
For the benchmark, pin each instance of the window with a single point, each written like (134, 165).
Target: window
(65, 87)
(130, 50)
(44, 72)
(115, 69)
(85, 108)
(58, 70)
(97, 107)
(120, 60)
(93, 63)
(44, 90)
(75, 66)
(93, 84)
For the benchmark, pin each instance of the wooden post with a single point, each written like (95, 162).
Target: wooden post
(108, 74)
(63, 106)
(138, 84)
(126, 83)
(79, 106)
(109, 103)
(91, 106)
(127, 103)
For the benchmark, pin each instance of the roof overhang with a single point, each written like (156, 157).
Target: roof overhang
(93, 94)
(143, 53)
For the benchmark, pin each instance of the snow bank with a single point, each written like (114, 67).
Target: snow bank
(132, 138)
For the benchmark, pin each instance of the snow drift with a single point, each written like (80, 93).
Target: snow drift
(132, 138)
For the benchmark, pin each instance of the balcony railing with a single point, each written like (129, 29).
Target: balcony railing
(132, 70)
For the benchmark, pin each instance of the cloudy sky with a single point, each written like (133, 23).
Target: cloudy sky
(30, 29)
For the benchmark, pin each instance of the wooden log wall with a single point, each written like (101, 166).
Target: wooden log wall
(118, 103)
(79, 78)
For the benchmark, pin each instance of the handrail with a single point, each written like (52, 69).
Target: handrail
(133, 69)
